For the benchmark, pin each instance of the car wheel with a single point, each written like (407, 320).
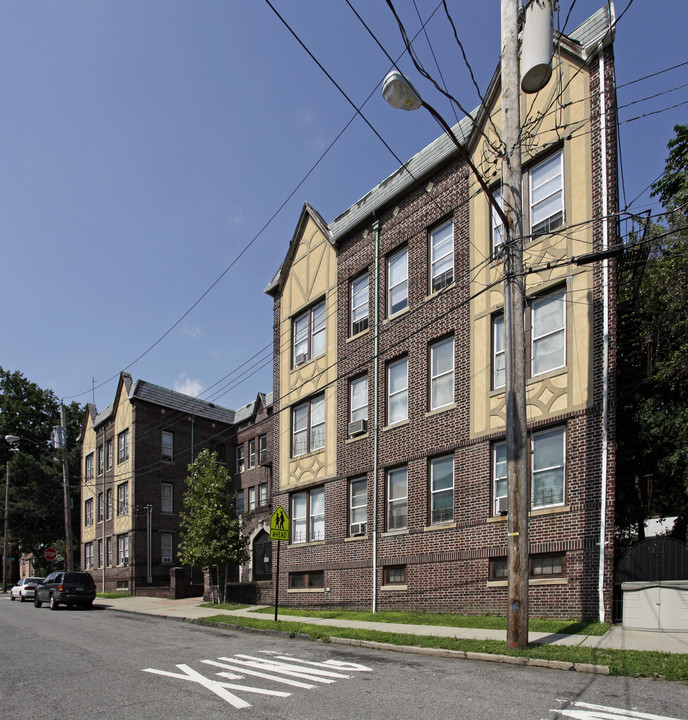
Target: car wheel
(52, 603)
(89, 605)
(69, 606)
(37, 602)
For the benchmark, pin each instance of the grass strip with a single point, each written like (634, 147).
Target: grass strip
(630, 663)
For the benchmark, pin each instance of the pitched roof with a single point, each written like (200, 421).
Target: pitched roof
(246, 412)
(148, 392)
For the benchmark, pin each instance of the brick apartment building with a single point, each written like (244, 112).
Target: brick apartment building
(389, 391)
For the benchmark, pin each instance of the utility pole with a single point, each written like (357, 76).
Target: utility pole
(4, 541)
(516, 424)
(65, 481)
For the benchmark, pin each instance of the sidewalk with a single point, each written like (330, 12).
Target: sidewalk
(616, 638)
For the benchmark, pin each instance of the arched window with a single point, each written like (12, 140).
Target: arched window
(262, 556)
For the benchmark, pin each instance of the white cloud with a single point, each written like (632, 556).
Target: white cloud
(188, 386)
(194, 332)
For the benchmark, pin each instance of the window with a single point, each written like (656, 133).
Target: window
(263, 449)
(263, 495)
(442, 489)
(499, 481)
(100, 507)
(252, 453)
(548, 467)
(309, 334)
(88, 512)
(358, 507)
(359, 304)
(397, 282)
(108, 545)
(497, 224)
(167, 446)
(498, 569)
(251, 499)
(100, 553)
(397, 391)
(101, 461)
(122, 549)
(314, 579)
(219, 448)
(239, 502)
(88, 555)
(108, 504)
(123, 446)
(394, 575)
(358, 404)
(308, 516)
(548, 343)
(442, 374)
(262, 557)
(88, 467)
(308, 426)
(123, 499)
(166, 497)
(397, 498)
(240, 458)
(441, 257)
(546, 195)
(540, 566)
(498, 352)
(166, 547)
(108, 446)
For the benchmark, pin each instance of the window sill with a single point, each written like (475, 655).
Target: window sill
(394, 533)
(547, 374)
(298, 458)
(393, 587)
(355, 538)
(358, 437)
(294, 368)
(534, 513)
(395, 425)
(444, 408)
(440, 526)
(437, 293)
(306, 544)
(531, 582)
(351, 338)
(305, 590)
(396, 315)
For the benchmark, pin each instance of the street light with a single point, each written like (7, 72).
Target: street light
(12, 440)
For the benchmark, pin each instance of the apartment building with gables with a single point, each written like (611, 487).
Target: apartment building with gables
(389, 387)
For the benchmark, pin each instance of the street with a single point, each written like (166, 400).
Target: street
(84, 664)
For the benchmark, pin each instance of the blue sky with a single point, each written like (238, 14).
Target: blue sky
(146, 144)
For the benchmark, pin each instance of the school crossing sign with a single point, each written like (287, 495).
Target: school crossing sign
(279, 525)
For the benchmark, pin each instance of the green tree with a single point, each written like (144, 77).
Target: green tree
(36, 506)
(653, 354)
(211, 531)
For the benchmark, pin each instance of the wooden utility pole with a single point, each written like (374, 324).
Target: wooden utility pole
(67, 505)
(516, 427)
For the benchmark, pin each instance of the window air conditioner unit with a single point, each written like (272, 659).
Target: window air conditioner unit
(358, 427)
(358, 529)
(301, 358)
(502, 505)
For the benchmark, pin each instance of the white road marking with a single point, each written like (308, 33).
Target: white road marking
(255, 673)
(602, 712)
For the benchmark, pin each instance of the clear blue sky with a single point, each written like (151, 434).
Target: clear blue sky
(144, 144)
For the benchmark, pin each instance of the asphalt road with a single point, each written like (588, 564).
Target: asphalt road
(81, 665)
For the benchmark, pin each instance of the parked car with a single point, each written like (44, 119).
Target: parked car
(25, 588)
(66, 588)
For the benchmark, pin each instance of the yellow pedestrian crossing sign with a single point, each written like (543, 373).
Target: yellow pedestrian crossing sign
(279, 525)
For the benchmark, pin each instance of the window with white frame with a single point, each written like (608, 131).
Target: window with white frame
(252, 453)
(239, 502)
(397, 391)
(240, 458)
(309, 334)
(499, 481)
(101, 461)
(441, 256)
(397, 498)
(359, 304)
(123, 446)
(308, 516)
(88, 555)
(358, 399)
(166, 548)
(358, 507)
(100, 507)
(88, 467)
(167, 446)
(251, 499)
(123, 499)
(546, 194)
(548, 332)
(108, 504)
(397, 282)
(442, 489)
(498, 352)
(442, 373)
(100, 553)
(548, 452)
(308, 426)
(263, 449)
(263, 495)
(108, 446)
(498, 235)
(88, 511)
(108, 546)
(122, 549)
(166, 497)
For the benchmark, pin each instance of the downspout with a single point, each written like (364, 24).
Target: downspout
(605, 336)
(376, 361)
(193, 418)
(104, 512)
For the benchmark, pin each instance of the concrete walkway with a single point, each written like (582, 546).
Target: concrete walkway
(616, 638)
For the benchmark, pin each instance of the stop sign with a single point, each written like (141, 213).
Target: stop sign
(50, 554)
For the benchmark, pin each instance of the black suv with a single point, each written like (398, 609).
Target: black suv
(66, 588)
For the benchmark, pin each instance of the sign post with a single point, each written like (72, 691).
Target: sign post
(279, 531)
